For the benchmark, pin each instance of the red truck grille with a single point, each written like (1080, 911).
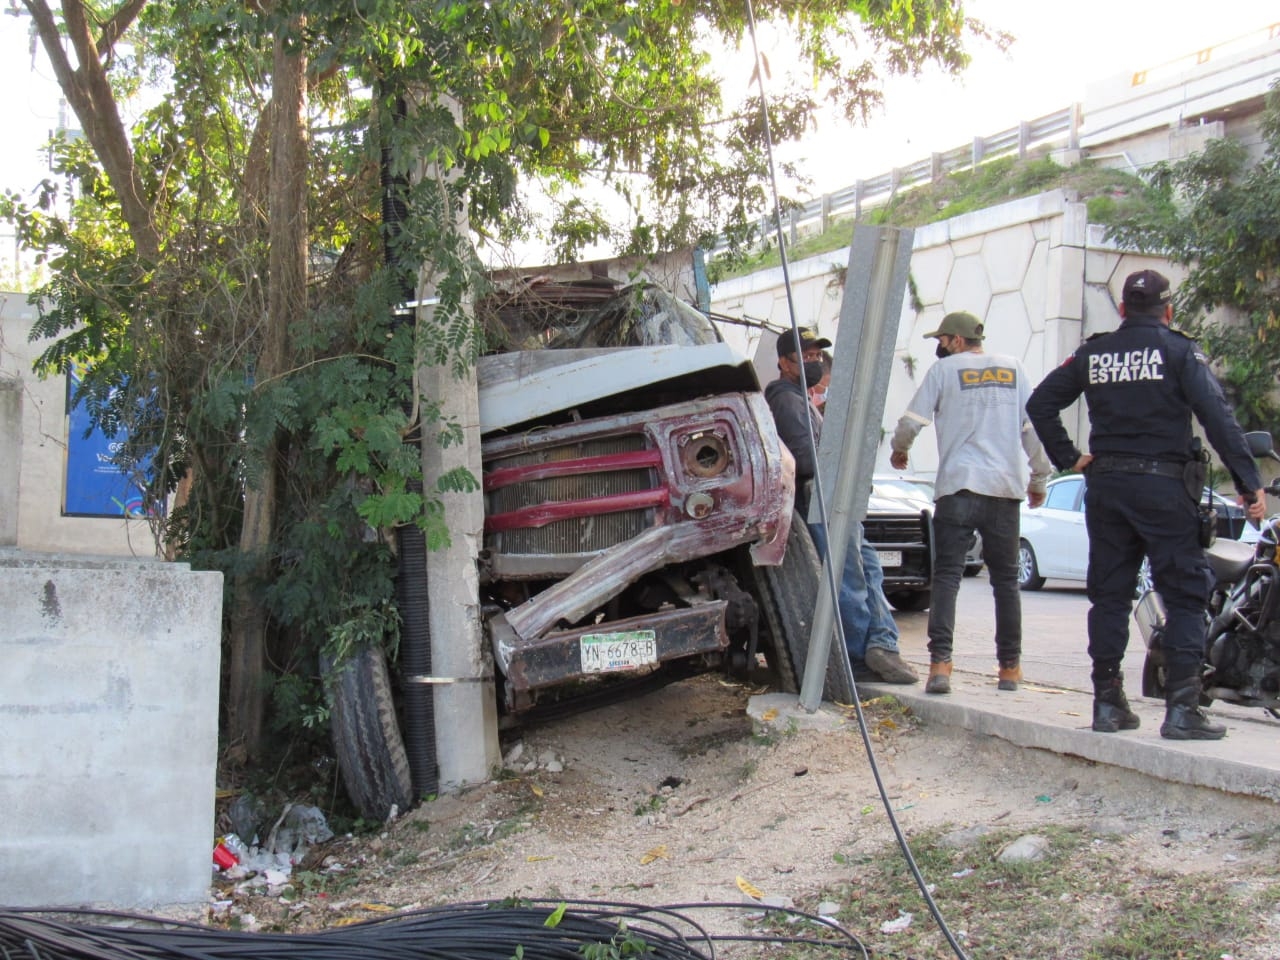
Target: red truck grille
(575, 498)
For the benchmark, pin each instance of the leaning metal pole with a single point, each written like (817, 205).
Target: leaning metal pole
(879, 263)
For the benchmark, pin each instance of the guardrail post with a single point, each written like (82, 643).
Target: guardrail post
(1077, 120)
(875, 286)
(826, 211)
(1024, 139)
(979, 150)
(935, 167)
(859, 188)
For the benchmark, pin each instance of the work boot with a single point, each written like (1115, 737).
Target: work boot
(1010, 675)
(1183, 718)
(889, 666)
(1111, 711)
(939, 678)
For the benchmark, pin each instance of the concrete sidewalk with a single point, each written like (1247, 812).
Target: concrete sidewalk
(1246, 762)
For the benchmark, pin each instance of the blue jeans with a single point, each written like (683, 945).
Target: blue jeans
(955, 517)
(864, 612)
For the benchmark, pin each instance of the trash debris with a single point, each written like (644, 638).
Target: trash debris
(902, 922)
(223, 858)
(299, 826)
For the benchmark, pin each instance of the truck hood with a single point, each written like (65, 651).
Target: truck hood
(526, 385)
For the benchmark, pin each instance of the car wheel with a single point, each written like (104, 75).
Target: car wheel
(910, 600)
(1028, 573)
(788, 595)
(366, 733)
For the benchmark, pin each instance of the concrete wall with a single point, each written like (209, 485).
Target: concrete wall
(1040, 277)
(33, 461)
(109, 712)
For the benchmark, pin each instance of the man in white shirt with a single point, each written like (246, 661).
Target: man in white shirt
(989, 458)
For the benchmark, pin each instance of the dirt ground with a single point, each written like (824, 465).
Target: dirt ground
(674, 798)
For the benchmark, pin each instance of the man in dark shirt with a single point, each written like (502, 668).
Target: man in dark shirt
(1142, 383)
(870, 633)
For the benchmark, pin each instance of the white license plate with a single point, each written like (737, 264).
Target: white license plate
(890, 558)
(626, 650)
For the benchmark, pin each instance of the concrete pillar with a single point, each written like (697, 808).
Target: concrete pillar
(466, 706)
(10, 458)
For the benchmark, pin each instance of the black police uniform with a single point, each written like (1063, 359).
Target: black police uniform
(1142, 382)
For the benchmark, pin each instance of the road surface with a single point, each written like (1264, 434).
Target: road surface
(1054, 635)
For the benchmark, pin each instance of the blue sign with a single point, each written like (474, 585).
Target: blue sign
(97, 484)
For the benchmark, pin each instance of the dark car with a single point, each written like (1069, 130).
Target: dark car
(899, 524)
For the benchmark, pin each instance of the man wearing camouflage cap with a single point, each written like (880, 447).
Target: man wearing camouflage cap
(985, 443)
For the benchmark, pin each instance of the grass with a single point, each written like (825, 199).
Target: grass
(1081, 901)
(1109, 195)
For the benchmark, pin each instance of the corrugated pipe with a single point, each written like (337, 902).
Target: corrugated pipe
(411, 547)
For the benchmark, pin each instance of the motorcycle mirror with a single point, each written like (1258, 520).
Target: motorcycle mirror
(1260, 445)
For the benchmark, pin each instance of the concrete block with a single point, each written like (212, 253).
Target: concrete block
(109, 702)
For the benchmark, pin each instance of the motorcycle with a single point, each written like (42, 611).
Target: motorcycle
(1242, 642)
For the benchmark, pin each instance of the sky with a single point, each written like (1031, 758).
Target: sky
(1061, 48)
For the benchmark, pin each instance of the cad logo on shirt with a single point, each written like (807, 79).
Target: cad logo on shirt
(1126, 366)
(988, 377)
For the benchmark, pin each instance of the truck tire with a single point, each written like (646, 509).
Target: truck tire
(366, 734)
(788, 596)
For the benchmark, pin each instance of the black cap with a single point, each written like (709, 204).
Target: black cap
(1145, 292)
(808, 341)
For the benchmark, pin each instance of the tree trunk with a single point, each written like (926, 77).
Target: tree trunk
(89, 92)
(286, 303)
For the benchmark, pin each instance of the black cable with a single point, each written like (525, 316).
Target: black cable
(820, 498)
(481, 930)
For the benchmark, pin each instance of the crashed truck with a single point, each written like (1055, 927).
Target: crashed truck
(639, 521)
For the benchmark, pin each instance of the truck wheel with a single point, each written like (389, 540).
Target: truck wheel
(788, 596)
(366, 733)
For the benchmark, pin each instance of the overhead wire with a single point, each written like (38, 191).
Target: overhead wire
(820, 499)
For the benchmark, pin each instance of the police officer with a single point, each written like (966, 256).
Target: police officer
(1142, 383)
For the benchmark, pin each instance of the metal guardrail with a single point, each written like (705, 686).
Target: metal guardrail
(1062, 125)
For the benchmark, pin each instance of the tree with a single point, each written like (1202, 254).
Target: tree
(1217, 212)
(243, 320)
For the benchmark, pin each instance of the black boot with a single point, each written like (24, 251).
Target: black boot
(1111, 707)
(1183, 718)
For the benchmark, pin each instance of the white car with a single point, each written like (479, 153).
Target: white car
(1054, 543)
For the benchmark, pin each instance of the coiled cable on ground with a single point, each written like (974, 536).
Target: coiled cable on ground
(480, 930)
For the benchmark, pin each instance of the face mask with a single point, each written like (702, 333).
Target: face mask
(941, 352)
(813, 372)
(819, 397)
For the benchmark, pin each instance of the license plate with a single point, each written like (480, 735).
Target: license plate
(890, 558)
(609, 652)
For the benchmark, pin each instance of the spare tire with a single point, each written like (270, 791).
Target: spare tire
(366, 733)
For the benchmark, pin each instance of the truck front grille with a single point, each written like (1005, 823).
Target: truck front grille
(573, 535)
